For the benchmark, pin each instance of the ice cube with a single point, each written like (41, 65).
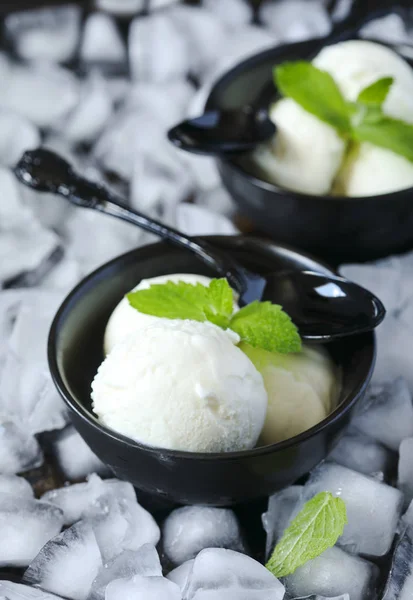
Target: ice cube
(26, 525)
(386, 413)
(63, 276)
(19, 451)
(102, 41)
(277, 517)
(75, 499)
(197, 220)
(296, 20)
(373, 508)
(233, 13)
(45, 34)
(43, 93)
(121, 7)
(158, 50)
(9, 590)
(181, 574)
(144, 561)
(400, 582)
(363, 454)
(318, 597)
(206, 177)
(120, 525)
(17, 136)
(333, 573)
(219, 574)
(217, 200)
(27, 391)
(190, 529)
(341, 10)
(390, 28)
(405, 470)
(143, 588)
(90, 116)
(408, 515)
(198, 26)
(17, 486)
(67, 564)
(74, 457)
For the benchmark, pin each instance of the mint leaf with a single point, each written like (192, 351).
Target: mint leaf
(221, 303)
(387, 133)
(265, 325)
(376, 93)
(316, 91)
(316, 527)
(171, 300)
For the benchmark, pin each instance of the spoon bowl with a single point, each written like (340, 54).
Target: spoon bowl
(75, 351)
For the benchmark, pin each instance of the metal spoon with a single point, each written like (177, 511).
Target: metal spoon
(223, 131)
(323, 307)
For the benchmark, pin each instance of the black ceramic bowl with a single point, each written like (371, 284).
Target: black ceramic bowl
(75, 352)
(337, 229)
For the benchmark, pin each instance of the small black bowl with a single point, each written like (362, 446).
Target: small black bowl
(75, 352)
(337, 229)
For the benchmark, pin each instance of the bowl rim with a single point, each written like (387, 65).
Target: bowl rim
(254, 60)
(84, 414)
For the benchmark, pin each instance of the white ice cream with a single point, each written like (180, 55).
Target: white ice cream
(308, 156)
(182, 385)
(305, 154)
(301, 388)
(125, 319)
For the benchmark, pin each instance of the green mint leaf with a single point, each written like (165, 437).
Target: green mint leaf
(376, 93)
(387, 133)
(171, 300)
(221, 303)
(265, 325)
(314, 90)
(316, 527)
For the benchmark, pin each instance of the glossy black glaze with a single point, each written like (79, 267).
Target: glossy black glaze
(223, 132)
(75, 352)
(318, 317)
(334, 228)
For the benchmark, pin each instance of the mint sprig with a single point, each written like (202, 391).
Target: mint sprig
(260, 324)
(316, 528)
(361, 121)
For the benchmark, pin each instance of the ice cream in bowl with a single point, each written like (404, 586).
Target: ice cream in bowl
(336, 178)
(199, 410)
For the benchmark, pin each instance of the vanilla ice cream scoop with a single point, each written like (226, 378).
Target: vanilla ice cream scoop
(126, 319)
(182, 385)
(304, 155)
(302, 390)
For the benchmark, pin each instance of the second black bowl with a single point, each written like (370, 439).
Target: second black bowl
(76, 350)
(337, 229)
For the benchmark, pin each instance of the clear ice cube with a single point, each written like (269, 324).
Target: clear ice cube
(26, 525)
(143, 588)
(19, 451)
(190, 529)
(9, 590)
(197, 220)
(373, 508)
(16, 486)
(18, 134)
(233, 13)
(408, 515)
(158, 50)
(220, 574)
(144, 562)
(45, 34)
(74, 457)
(386, 413)
(333, 573)
(295, 20)
(180, 574)
(101, 40)
(67, 564)
(121, 7)
(280, 508)
(400, 581)
(390, 28)
(405, 469)
(363, 454)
